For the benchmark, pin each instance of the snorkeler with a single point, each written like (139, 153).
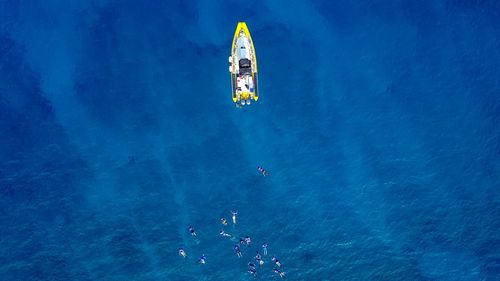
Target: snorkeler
(224, 234)
(202, 259)
(234, 216)
(258, 258)
(237, 251)
(191, 230)
(182, 253)
(251, 265)
(264, 248)
(276, 261)
(247, 240)
(279, 272)
(262, 171)
(252, 269)
(223, 221)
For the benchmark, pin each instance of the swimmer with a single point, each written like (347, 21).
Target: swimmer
(262, 171)
(247, 240)
(242, 241)
(223, 221)
(258, 258)
(191, 230)
(276, 261)
(224, 234)
(182, 253)
(237, 251)
(202, 259)
(252, 271)
(264, 248)
(234, 216)
(251, 265)
(279, 272)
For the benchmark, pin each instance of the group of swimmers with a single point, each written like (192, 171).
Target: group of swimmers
(252, 266)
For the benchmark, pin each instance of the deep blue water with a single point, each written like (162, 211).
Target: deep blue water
(379, 123)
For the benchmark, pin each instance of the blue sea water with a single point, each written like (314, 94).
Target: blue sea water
(379, 123)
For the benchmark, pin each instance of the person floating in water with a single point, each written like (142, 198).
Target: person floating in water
(237, 251)
(279, 272)
(262, 171)
(234, 213)
(251, 269)
(182, 253)
(258, 258)
(224, 234)
(242, 240)
(191, 230)
(247, 240)
(264, 248)
(202, 259)
(276, 261)
(223, 221)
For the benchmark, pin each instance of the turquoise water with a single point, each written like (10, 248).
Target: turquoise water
(378, 124)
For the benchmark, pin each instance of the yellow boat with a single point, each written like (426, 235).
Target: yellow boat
(243, 67)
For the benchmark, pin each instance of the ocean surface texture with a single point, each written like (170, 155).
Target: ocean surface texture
(378, 122)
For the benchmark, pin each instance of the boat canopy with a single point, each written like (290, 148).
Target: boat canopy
(245, 63)
(245, 67)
